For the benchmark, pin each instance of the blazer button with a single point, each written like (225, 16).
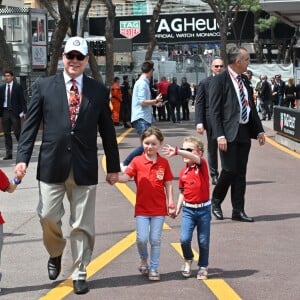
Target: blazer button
(72, 132)
(69, 148)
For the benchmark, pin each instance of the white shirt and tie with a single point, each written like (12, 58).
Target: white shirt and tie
(240, 89)
(7, 102)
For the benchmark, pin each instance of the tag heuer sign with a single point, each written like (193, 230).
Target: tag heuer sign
(130, 29)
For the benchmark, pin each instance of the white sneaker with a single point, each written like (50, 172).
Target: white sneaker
(202, 273)
(153, 275)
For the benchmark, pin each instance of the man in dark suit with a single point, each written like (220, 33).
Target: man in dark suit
(234, 122)
(13, 108)
(278, 90)
(266, 98)
(202, 119)
(68, 158)
(174, 100)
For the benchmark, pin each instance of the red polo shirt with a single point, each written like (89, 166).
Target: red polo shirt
(194, 181)
(4, 184)
(163, 87)
(150, 178)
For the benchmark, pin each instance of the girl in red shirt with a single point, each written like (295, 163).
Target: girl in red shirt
(195, 203)
(7, 186)
(154, 198)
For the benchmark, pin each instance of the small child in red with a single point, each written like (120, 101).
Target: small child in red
(7, 186)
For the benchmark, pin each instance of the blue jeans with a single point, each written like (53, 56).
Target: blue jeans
(140, 125)
(280, 100)
(149, 229)
(192, 217)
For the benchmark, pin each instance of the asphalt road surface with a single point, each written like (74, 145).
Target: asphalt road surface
(249, 261)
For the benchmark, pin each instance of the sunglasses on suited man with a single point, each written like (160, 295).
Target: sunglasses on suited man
(71, 56)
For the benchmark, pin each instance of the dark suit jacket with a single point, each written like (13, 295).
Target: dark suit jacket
(64, 147)
(224, 108)
(17, 99)
(202, 102)
(265, 92)
(174, 93)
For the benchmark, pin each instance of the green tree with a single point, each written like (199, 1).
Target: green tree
(109, 37)
(225, 12)
(66, 21)
(260, 24)
(263, 24)
(62, 23)
(152, 29)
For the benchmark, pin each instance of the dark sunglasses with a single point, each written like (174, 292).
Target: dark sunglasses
(73, 55)
(187, 149)
(218, 66)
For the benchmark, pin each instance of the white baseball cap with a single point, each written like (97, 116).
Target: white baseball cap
(76, 43)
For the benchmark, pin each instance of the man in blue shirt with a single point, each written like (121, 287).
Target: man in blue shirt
(141, 107)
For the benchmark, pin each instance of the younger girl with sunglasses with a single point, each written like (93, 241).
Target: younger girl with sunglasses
(195, 203)
(154, 198)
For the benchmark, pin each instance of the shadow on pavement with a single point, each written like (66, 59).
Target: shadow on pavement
(259, 182)
(276, 217)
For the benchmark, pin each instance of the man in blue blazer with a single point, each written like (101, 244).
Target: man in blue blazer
(234, 122)
(13, 108)
(68, 157)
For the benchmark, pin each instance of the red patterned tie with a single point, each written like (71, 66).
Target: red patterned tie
(74, 102)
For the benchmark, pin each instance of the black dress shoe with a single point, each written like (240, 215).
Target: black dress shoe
(241, 216)
(217, 211)
(214, 179)
(54, 266)
(7, 157)
(80, 287)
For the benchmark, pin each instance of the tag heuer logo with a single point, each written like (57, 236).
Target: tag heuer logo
(130, 29)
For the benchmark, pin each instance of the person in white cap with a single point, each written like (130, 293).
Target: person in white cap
(68, 158)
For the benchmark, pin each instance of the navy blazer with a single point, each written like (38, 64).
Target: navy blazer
(64, 147)
(18, 102)
(224, 108)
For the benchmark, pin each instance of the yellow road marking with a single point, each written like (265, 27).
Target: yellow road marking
(282, 148)
(217, 286)
(66, 287)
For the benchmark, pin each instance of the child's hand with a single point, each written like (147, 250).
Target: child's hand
(178, 209)
(169, 151)
(172, 212)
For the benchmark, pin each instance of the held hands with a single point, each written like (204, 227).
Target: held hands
(20, 171)
(112, 178)
(261, 139)
(172, 211)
